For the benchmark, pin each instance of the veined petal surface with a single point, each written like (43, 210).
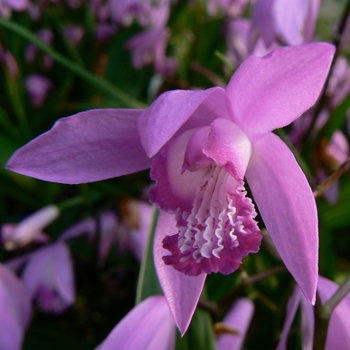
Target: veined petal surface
(270, 92)
(182, 292)
(166, 115)
(89, 146)
(149, 325)
(287, 206)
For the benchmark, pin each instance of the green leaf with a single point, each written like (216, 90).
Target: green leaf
(102, 84)
(148, 283)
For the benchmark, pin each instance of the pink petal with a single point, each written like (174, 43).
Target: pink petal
(291, 18)
(182, 292)
(229, 146)
(30, 228)
(63, 273)
(15, 306)
(89, 146)
(270, 92)
(50, 268)
(87, 226)
(166, 115)
(239, 317)
(17, 5)
(149, 325)
(263, 21)
(292, 307)
(338, 336)
(288, 208)
(174, 189)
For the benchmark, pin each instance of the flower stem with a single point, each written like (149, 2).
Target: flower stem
(248, 281)
(337, 297)
(102, 84)
(321, 325)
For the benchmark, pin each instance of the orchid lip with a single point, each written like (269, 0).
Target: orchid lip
(218, 232)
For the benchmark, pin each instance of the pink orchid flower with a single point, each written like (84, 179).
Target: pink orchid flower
(16, 310)
(18, 235)
(200, 145)
(292, 22)
(7, 5)
(38, 87)
(130, 234)
(48, 275)
(149, 325)
(229, 7)
(338, 336)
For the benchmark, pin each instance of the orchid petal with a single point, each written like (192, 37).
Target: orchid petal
(174, 189)
(63, 273)
(292, 307)
(263, 22)
(239, 317)
(291, 18)
(15, 305)
(88, 226)
(182, 292)
(89, 146)
(50, 269)
(30, 228)
(160, 121)
(338, 336)
(270, 92)
(229, 147)
(287, 206)
(149, 325)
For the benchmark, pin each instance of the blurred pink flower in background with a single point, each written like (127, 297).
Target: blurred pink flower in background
(31, 54)
(16, 309)
(338, 335)
(38, 87)
(18, 235)
(9, 61)
(228, 7)
(288, 22)
(48, 275)
(129, 233)
(7, 5)
(149, 325)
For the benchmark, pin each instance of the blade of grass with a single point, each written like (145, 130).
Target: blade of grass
(100, 83)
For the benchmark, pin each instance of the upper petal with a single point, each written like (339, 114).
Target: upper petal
(89, 146)
(270, 92)
(149, 325)
(182, 292)
(288, 208)
(165, 116)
